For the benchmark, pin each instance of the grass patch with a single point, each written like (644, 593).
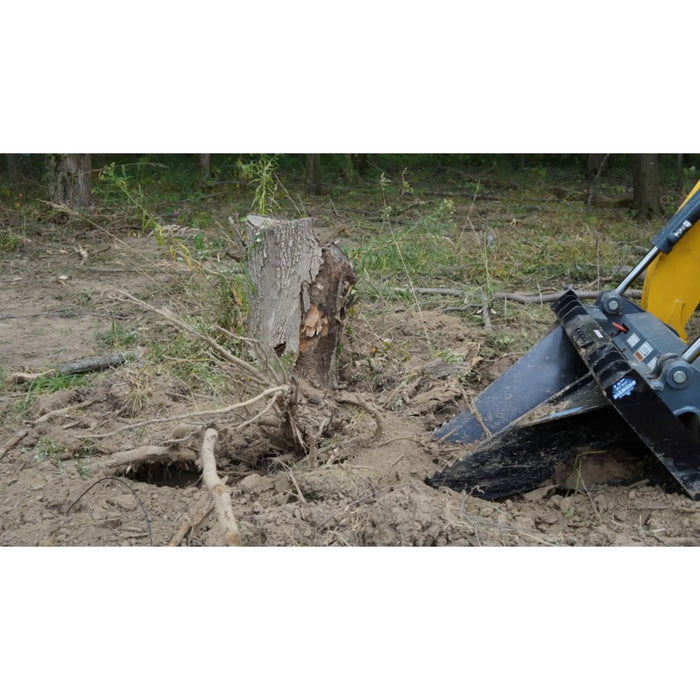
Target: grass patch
(118, 336)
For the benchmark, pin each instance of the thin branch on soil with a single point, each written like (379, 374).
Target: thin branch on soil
(218, 490)
(270, 404)
(62, 411)
(296, 486)
(261, 352)
(276, 390)
(179, 323)
(488, 327)
(510, 296)
(354, 503)
(12, 442)
(372, 410)
(555, 296)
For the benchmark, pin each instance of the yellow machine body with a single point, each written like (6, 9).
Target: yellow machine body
(672, 285)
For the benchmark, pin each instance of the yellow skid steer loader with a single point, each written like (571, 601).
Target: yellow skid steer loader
(611, 372)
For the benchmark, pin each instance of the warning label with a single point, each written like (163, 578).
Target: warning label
(632, 339)
(643, 351)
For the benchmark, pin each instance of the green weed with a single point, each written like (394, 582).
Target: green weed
(117, 186)
(117, 336)
(423, 251)
(47, 448)
(9, 242)
(49, 385)
(262, 174)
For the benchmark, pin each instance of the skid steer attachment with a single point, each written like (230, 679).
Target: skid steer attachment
(610, 373)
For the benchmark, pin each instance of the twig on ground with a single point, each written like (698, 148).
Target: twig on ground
(12, 442)
(354, 503)
(555, 296)
(296, 486)
(61, 411)
(486, 315)
(373, 411)
(219, 493)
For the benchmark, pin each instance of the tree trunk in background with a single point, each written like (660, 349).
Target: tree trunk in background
(645, 183)
(313, 173)
(348, 167)
(12, 172)
(593, 163)
(360, 160)
(204, 169)
(70, 179)
(680, 180)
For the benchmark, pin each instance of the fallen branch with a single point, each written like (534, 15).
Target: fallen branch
(510, 296)
(445, 291)
(136, 496)
(219, 493)
(555, 296)
(88, 364)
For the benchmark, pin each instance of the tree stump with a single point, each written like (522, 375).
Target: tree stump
(299, 303)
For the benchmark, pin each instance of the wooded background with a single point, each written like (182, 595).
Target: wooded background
(67, 178)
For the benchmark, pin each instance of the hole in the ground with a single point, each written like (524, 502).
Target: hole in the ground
(178, 475)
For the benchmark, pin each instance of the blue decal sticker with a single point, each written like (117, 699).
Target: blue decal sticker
(623, 388)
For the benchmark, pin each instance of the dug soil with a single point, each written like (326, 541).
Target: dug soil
(367, 488)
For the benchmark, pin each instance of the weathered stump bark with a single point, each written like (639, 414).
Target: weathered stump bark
(299, 304)
(284, 258)
(301, 294)
(325, 312)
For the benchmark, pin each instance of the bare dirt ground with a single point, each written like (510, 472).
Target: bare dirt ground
(56, 306)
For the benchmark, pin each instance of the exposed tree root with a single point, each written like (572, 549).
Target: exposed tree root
(218, 490)
(146, 453)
